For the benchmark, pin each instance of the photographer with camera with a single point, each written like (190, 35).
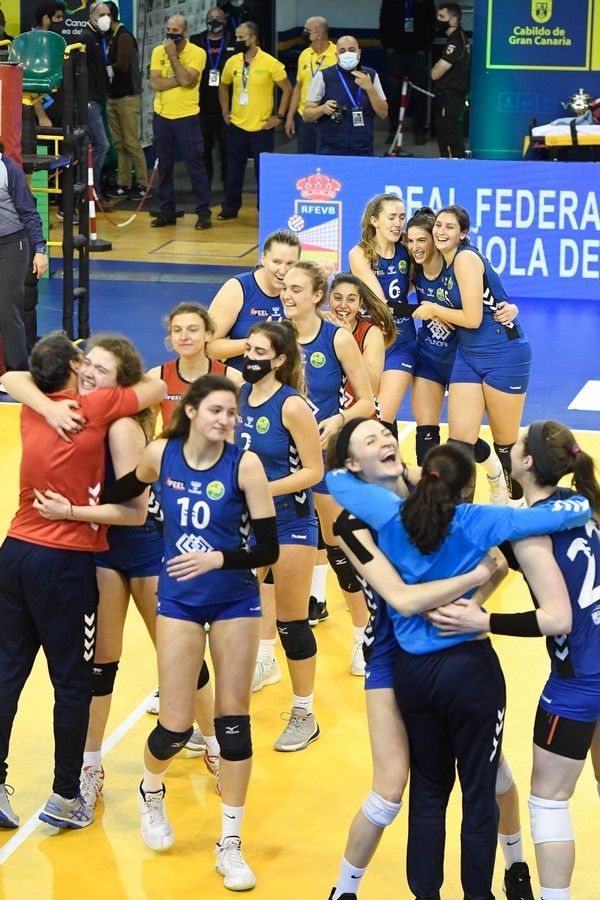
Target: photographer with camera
(343, 101)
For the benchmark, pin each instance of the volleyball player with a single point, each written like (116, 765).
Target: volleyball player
(276, 423)
(568, 715)
(251, 296)
(331, 356)
(493, 360)
(382, 262)
(452, 702)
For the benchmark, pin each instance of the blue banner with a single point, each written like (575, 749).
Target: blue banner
(538, 223)
(539, 34)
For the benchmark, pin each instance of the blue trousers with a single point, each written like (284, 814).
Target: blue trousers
(98, 139)
(241, 146)
(307, 136)
(184, 133)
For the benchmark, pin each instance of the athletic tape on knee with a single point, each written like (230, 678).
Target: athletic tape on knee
(550, 820)
(204, 676)
(380, 812)
(233, 735)
(504, 779)
(343, 570)
(164, 744)
(297, 639)
(103, 678)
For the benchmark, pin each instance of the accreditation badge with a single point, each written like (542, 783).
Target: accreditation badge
(357, 118)
(243, 98)
(409, 23)
(213, 78)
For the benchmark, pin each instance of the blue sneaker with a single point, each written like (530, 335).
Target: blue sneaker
(63, 813)
(8, 819)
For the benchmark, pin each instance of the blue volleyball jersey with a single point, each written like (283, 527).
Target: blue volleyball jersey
(392, 275)
(204, 510)
(435, 340)
(256, 307)
(490, 334)
(324, 373)
(473, 531)
(577, 553)
(261, 429)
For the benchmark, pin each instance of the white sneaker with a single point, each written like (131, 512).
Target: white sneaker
(230, 863)
(91, 782)
(521, 503)
(156, 828)
(212, 764)
(8, 818)
(196, 743)
(357, 661)
(153, 707)
(498, 490)
(266, 672)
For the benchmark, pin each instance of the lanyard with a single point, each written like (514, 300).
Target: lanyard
(104, 50)
(245, 74)
(408, 8)
(355, 103)
(214, 65)
(318, 66)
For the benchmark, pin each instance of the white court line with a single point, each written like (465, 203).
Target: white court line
(25, 831)
(402, 435)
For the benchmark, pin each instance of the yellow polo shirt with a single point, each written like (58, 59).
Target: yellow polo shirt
(309, 63)
(264, 71)
(178, 102)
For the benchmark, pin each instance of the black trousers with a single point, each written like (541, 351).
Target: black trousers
(214, 132)
(448, 108)
(453, 706)
(242, 146)
(14, 260)
(184, 133)
(414, 65)
(48, 599)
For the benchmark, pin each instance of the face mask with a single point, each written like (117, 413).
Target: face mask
(237, 3)
(215, 26)
(306, 36)
(348, 60)
(176, 38)
(56, 27)
(442, 27)
(103, 23)
(241, 46)
(255, 369)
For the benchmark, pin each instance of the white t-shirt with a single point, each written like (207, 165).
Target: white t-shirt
(316, 91)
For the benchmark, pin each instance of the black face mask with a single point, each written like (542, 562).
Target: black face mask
(215, 26)
(240, 46)
(176, 38)
(255, 369)
(442, 27)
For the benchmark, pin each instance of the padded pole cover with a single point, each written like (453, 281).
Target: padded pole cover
(11, 96)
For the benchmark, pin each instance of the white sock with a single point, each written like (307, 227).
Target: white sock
(231, 821)
(555, 893)
(512, 848)
(319, 579)
(348, 880)
(266, 648)
(152, 782)
(212, 744)
(92, 758)
(358, 634)
(305, 703)
(492, 466)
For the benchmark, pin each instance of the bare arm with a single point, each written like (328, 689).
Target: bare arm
(224, 310)
(159, 83)
(302, 425)
(374, 356)
(225, 101)
(61, 415)
(379, 104)
(359, 266)
(290, 128)
(440, 68)
(313, 110)
(468, 269)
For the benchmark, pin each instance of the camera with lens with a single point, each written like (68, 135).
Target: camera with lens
(337, 114)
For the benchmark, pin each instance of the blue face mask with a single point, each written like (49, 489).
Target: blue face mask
(348, 60)
(176, 38)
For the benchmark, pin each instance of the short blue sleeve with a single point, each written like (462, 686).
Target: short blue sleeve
(372, 504)
(490, 525)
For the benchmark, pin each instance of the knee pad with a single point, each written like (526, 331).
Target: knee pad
(204, 676)
(103, 678)
(233, 735)
(550, 820)
(504, 779)
(164, 744)
(297, 639)
(380, 812)
(481, 450)
(392, 427)
(468, 448)
(344, 572)
(428, 436)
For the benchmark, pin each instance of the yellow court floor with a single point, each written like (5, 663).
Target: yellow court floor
(300, 805)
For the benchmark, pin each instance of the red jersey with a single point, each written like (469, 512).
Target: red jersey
(177, 386)
(361, 329)
(75, 470)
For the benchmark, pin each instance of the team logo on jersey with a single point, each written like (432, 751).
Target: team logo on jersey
(193, 543)
(176, 485)
(249, 422)
(403, 266)
(440, 294)
(450, 283)
(541, 10)
(264, 313)
(391, 270)
(317, 360)
(215, 490)
(262, 425)
(196, 487)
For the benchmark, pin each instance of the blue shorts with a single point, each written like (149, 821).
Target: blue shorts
(248, 608)
(431, 370)
(299, 531)
(140, 557)
(572, 698)
(381, 655)
(400, 357)
(506, 370)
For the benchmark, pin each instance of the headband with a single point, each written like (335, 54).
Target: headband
(544, 462)
(343, 440)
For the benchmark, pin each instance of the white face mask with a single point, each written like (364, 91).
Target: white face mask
(103, 23)
(348, 60)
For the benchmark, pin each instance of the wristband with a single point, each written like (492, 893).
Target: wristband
(515, 624)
